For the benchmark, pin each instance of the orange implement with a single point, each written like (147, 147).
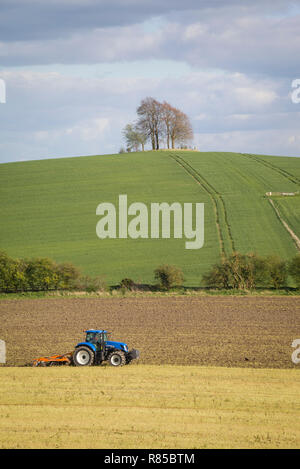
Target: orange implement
(54, 360)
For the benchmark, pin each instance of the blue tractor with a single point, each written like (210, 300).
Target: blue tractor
(97, 349)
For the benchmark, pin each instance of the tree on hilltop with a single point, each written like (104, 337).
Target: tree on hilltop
(134, 138)
(157, 122)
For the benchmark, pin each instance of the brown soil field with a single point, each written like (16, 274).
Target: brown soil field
(218, 331)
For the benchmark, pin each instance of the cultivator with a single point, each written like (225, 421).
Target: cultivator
(54, 360)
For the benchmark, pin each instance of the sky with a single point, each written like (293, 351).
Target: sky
(75, 71)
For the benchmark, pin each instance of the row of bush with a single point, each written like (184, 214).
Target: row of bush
(42, 274)
(238, 271)
(250, 271)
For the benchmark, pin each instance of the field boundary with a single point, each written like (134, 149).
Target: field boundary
(185, 292)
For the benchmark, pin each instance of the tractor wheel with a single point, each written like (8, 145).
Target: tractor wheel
(83, 356)
(117, 358)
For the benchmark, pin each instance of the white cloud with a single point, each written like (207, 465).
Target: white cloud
(268, 142)
(255, 96)
(93, 129)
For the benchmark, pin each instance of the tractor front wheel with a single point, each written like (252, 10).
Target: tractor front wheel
(83, 356)
(117, 358)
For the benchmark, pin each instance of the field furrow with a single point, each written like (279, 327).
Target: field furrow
(226, 238)
(294, 179)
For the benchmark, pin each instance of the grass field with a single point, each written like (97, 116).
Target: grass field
(142, 406)
(239, 183)
(48, 208)
(289, 208)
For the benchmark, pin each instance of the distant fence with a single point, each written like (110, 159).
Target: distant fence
(282, 193)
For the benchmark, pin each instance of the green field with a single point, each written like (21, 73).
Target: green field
(289, 208)
(142, 406)
(48, 208)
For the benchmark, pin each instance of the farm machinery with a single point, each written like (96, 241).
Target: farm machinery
(93, 351)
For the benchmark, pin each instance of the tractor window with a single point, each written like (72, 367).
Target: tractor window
(96, 338)
(90, 337)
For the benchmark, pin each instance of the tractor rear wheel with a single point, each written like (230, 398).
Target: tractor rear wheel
(83, 356)
(117, 358)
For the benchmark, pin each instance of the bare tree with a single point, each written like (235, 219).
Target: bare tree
(180, 128)
(167, 117)
(150, 122)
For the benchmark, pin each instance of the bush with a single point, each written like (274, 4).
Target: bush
(90, 284)
(12, 274)
(294, 269)
(169, 276)
(242, 272)
(277, 271)
(127, 284)
(68, 275)
(218, 277)
(41, 274)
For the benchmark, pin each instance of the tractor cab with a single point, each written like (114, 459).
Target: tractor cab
(97, 337)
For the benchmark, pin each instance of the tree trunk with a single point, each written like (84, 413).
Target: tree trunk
(153, 141)
(157, 140)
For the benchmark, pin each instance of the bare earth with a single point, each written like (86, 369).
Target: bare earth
(219, 331)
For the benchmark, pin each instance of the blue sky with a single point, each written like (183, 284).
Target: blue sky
(76, 70)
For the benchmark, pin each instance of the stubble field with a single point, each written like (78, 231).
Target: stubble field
(149, 406)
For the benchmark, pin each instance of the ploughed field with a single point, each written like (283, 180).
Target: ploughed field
(218, 331)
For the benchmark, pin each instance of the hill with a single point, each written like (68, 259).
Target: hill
(48, 208)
